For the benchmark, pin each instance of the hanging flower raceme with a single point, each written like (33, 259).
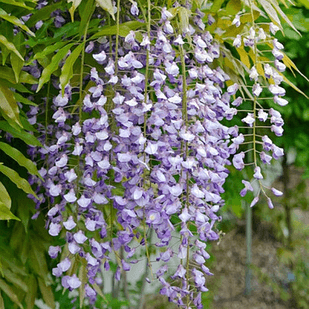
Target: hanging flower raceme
(145, 151)
(259, 118)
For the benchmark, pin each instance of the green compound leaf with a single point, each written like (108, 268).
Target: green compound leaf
(32, 293)
(10, 293)
(21, 99)
(233, 7)
(4, 196)
(47, 293)
(23, 135)
(53, 66)
(24, 77)
(19, 158)
(21, 183)
(48, 50)
(1, 302)
(17, 65)
(17, 3)
(15, 21)
(10, 46)
(124, 29)
(67, 69)
(86, 10)
(8, 105)
(15, 279)
(43, 13)
(216, 5)
(5, 213)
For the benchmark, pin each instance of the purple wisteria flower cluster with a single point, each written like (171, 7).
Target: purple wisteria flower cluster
(259, 117)
(145, 149)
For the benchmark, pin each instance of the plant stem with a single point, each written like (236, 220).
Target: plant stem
(143, 288)
(248, 247)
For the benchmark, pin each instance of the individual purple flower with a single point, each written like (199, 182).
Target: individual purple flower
(278, 55)
(277, 152)
(80, 237)
(100, 58)
(89, 48)
(277, 130)
(276, 192)
(62, 161)
(277, 44)
(257, 89)
(276, 90)
(57, 272)
(237, 41)
(53, 251)
(185, 216)
(267, 143)
(90, 224)
(69, 224)
(54, 229)
(70, 175)
(265, 157)
(273, 28)
(180, 272)
(210, 20)
(269, 203)
(134, 9)
(90, 292)
(70, 197)
(257, 173)
(237, 101)
(64, 265)
(83, 201)
(253, 73)
(73, 248)
(91, 260)
(165, 14)
(61, 100)
(247, 187)
(118, 274)
(179, 40)
(176, 190)
(125, 266)
(232, 89)
(261, 34)
(236, 21)
(279, 65)
(145, 42)
(238, 161)
(55, 190)
(262, 116)
(268, 70)
(280, 101)
(197, 192)
(254, 201)
(71, 282)
(249, 120)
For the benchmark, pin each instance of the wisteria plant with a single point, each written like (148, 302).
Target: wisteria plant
(134, 113)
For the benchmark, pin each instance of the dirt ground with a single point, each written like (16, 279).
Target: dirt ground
(228, 282)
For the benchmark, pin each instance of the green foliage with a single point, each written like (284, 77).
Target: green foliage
(11, 120)
(24, 266)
